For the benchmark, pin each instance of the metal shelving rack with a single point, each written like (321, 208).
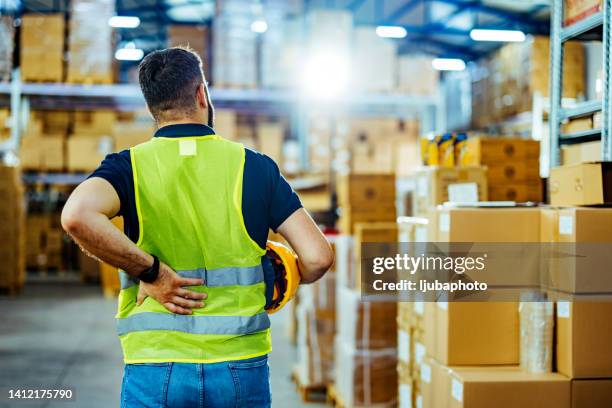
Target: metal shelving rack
(26, 96)
(596, 26)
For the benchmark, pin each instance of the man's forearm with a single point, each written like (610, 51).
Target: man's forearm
(97, 235)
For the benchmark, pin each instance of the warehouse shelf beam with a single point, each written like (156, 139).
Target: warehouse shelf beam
(580, 109)
(579, 137)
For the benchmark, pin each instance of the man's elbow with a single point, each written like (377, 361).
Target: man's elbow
(72, 220)
(319, 265)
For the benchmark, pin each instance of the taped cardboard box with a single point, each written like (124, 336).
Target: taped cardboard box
(352, 216)
(486, 151)
(366, 191)
(592, 393)
(517, 192)
(45, 153)
(85, 153)
(476, 333)
(584, 233)
(42, 47)
(504, 388)
(365, 377)
(581, 184)
(576, 10)
(12, 230)
(583, 335)
(581, 153)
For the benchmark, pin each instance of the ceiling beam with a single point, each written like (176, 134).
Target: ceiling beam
(402, 11)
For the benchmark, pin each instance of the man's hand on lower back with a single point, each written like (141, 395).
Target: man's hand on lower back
(168, 289)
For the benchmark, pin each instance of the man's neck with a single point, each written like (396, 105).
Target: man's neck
(179, 122)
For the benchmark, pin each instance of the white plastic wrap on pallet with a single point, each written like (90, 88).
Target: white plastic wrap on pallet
(7, 33)
(536, 328)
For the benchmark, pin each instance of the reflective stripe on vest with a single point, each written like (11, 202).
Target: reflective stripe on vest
(194, 324)
(232, 276)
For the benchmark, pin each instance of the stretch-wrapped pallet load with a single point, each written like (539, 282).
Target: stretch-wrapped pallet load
(12, 229)
(42, 47)
(90, 44)
(279, 47)
(536, 325)
(234, 46)
(7, 34)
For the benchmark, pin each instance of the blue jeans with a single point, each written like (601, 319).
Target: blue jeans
(242, 383)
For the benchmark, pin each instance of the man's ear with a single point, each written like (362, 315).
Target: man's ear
(201, 97)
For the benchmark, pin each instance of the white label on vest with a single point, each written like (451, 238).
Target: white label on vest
(444, 222)
(563, 309)
(405, 392)
(426, 373)
(188, 147)
(403, 346)
(566, 225)
(457, 390)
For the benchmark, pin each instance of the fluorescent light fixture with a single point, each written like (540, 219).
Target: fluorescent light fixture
(325, 76)
(391, 31)
(478, 34)
(259, 26)
(124, 21)
(129, 54)
(448, 64)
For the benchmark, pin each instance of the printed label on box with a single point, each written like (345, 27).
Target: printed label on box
(566, 225)
(426, 373)
(403, 346)
(463, 193)
(444, 222)
(405, 396)
(457, 390)
(419, 352)
(563, 309)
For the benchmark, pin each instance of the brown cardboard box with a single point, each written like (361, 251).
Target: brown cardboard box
(130, 134)
(42, 47)
(587, 272)
(513, 172)
(488, 225)
(581, 153)
(366, 191)
(434, 384)
(517, 192)
(592, 393)
(583, 337)
(480, 151)
(43, 153)
(432, 185)
(225, 123)
(581, 184)
(85, 153)
(576, 10)
(95, 123)
(350, 216)
(271, 137)
(506, 388)
(477, 333)
(578, 125)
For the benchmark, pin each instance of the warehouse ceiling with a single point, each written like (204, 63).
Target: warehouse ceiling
(440, 27)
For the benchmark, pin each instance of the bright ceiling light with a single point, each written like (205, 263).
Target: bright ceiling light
(259, 26)
(124, 21)
(448, 64)
(391, 31)
(478, 34)
(129, 52)
(325, 76)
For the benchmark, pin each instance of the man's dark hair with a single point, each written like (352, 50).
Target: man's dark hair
(169, 79)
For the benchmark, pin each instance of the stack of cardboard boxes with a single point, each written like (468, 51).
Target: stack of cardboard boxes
(12, 237)
(5, 130)
(90, 43)
(7, 34)
(42, 48)
(44, 141)
(316, 328)
(416, 75)
(44, 242)
(196, 37)
(513, 167)
(91, 139)
(365, 344)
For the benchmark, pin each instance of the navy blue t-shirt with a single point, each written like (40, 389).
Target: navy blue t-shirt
(267, 199)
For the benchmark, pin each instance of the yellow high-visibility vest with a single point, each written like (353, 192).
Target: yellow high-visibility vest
(189, 203)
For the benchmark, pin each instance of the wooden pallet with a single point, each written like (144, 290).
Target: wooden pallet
(311, 392)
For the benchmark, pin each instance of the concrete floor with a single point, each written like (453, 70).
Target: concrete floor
(62, 334)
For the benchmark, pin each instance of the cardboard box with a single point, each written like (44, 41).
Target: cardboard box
(488, 225)
(581, 184)
(517, 192)
(489, 151)
(477, 333)
(42, 47)
(581, 153)
(94, 123)
(271, 137)
(592, 393)
(576, 10)
(434, 378)
(505, 388)
(513, 172)
(366, 191)
(432, 185)
(584, 232)
(86, 153)
(578, 125)
(350, 216)
(583, 335)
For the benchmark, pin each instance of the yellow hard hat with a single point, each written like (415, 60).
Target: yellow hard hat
(286, 272)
